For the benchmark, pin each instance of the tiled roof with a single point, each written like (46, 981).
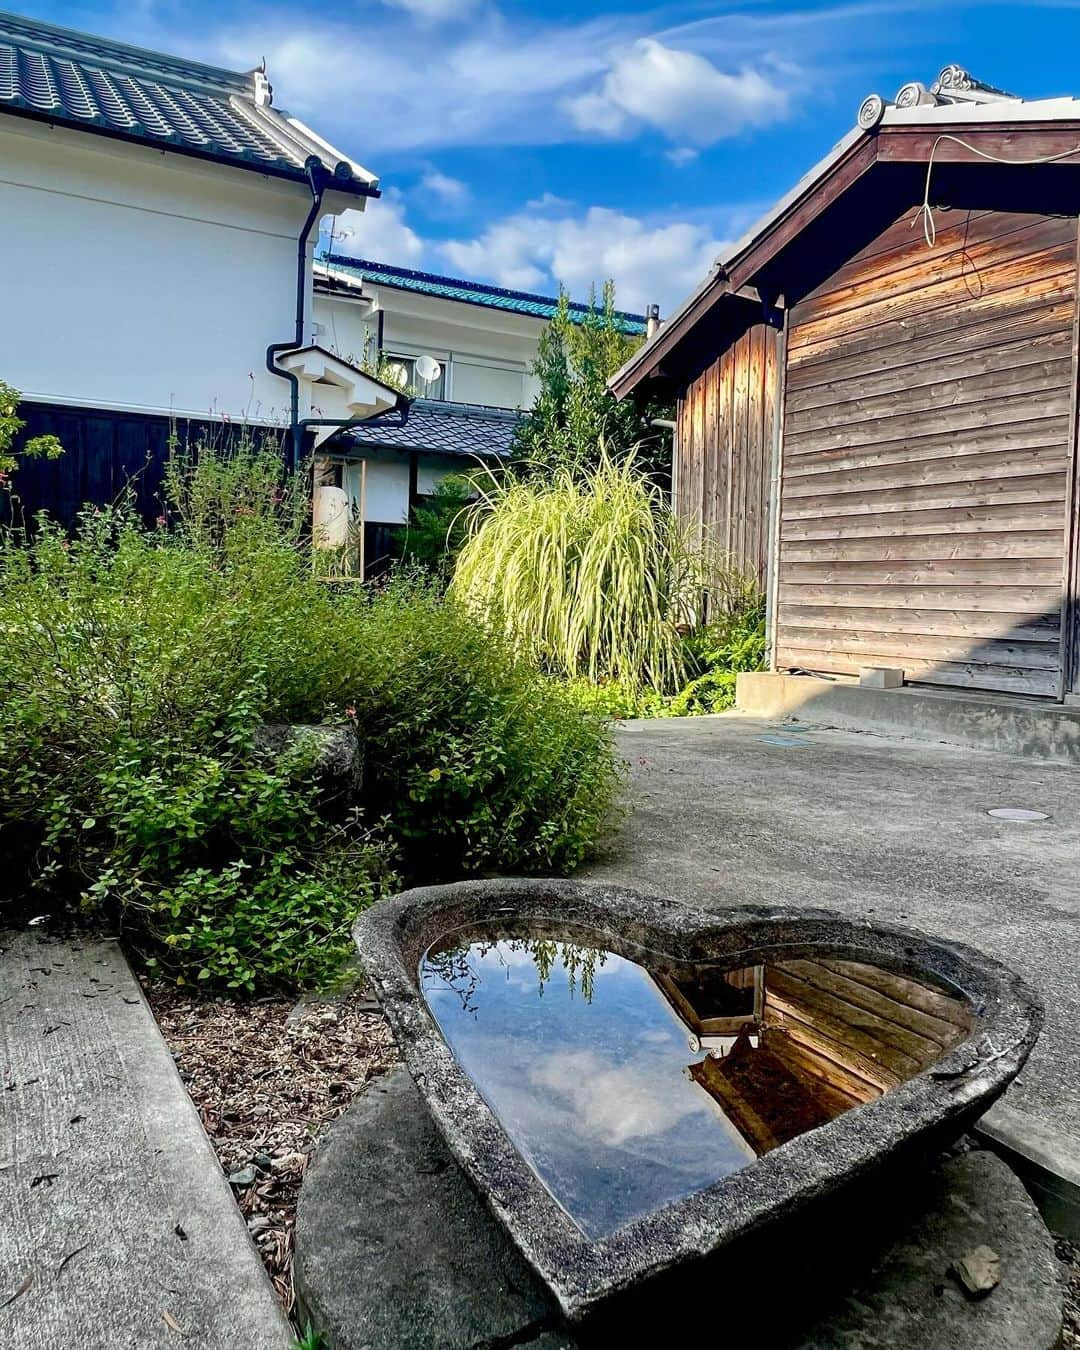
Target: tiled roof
(468, 292)
(438, 428)
(74, 79)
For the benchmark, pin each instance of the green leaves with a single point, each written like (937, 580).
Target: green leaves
(137, 670)
(574, 415)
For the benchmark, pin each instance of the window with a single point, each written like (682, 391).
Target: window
(404, 370)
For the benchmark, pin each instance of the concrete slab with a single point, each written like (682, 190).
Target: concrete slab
(395, 1251)
(1011, 723)
(724, 810)
(119, 1230)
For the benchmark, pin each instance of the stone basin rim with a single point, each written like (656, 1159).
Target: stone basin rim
(581, 1273)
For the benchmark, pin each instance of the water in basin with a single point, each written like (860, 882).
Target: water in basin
(626, 1086)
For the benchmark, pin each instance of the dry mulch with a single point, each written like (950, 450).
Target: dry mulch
(266, 1078)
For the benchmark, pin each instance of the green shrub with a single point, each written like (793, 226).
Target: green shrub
(136, 669)
(588, 573)
(434, 536)
(482, 763)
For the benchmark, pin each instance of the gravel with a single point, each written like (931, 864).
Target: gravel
(266, 1078)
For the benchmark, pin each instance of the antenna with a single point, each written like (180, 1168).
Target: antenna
(427, 369)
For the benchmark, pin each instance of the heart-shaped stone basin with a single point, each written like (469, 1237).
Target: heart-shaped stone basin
(633, 1084)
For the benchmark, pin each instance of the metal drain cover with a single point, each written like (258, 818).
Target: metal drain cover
(1016, 813)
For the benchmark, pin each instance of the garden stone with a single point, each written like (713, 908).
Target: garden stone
(332, 752)
(394, 1250)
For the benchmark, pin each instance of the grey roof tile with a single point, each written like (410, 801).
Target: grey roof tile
(440, 428)
(77, 80)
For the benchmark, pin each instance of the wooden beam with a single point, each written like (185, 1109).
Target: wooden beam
(1070, 590)
(1019, 142)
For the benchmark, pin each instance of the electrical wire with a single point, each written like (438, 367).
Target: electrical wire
(925, 212)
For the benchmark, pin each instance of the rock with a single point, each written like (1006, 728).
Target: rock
(246, 1176)
(332, 753)
(394, 1248)
(979, 1271)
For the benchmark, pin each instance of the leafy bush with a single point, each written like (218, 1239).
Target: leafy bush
(137, 669)
(589, 573)
(719, 652)
(436, 532)
(716, 653)
(36, 447)
(575, 415)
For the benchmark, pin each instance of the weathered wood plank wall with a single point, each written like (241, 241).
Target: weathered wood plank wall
(724, 446)
(925, 454)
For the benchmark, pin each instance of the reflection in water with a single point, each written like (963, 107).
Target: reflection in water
(626, 1088)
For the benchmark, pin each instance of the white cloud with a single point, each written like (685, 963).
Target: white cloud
(449, 191)
(433, 9)
(392, 84)
(378, 233)
(681, 155)
(612, 1104)
(650, 260)
(679, 92)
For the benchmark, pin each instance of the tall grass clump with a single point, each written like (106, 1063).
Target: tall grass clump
(138, 668)
(587, 572)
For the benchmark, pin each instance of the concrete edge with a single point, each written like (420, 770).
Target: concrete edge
(1003, 723)
(1044, 1161)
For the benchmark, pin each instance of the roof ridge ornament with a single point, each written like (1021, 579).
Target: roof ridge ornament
(955, 84)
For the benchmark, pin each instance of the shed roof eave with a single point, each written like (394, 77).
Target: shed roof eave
(739, 260)
(625, 380)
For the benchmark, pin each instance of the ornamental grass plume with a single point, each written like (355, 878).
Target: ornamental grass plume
(590, 573)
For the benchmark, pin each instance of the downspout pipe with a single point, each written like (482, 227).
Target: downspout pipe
(318, 178)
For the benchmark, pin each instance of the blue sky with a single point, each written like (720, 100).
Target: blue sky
(538, 142)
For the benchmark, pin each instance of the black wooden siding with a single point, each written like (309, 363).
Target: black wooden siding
(105, 453)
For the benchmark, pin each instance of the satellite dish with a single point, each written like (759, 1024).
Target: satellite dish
(427, 369)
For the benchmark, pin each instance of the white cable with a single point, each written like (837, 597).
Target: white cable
(925, 212)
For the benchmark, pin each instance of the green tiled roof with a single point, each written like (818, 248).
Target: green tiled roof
(73, 79)
(468, 292)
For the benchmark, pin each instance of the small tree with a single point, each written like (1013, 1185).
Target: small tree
(575, 414)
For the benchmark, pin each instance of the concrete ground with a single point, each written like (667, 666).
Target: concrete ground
(730, 810)
(118, 1230)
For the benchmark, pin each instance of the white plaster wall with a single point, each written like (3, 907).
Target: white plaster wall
(490, 353)
(345, 329)
(386, 497)
(142, 280)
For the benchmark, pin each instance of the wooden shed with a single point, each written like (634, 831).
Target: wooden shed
(877, 396)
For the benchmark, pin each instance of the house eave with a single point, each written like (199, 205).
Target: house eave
(355, 188)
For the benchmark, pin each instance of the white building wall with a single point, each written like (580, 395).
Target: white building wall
(386, 491)
(135, 279)
(488, 353)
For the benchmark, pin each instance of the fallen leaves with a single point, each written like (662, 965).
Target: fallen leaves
(266, 1079)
